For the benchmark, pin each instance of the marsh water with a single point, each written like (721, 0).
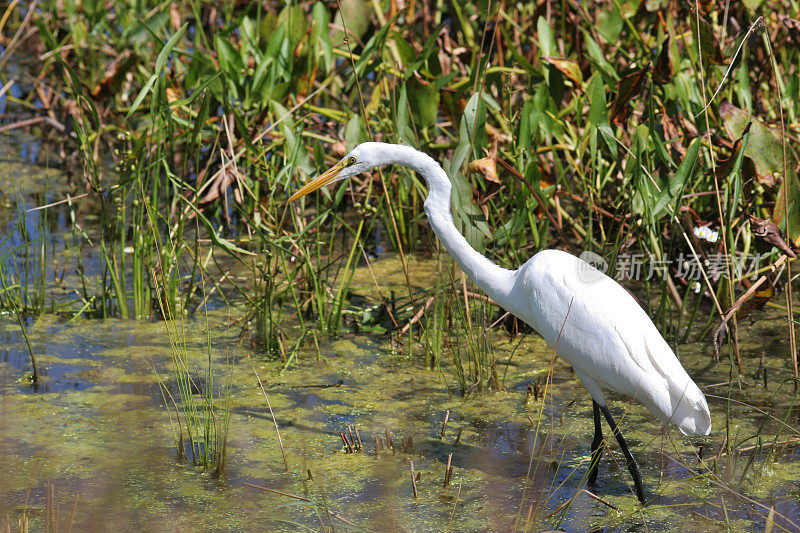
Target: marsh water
(94, 446)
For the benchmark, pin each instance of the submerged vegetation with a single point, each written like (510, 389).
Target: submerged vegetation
(657, 138)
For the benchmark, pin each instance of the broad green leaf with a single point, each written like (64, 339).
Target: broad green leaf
(473, 124)
(790, 187)
(407, 54)
(202, 117)
(275, 42)
(547, 44)
(737, 176)
(319, 154)
(598, 58)
(491, 102)
(709, 45)
(375, 44)
(196, 93)
(402, 114)
(353, 132)
(424, 100)
(609, 23)
(460, 155)
(249, 32)
(141, 32)
(598, 109)
(678, 181)
(598, 113)
(142, 94)
(444, 81)
(161, 60)
(419, 59)
(763, 146)
(229, 58)
(260, 76)
(467, 216)
(294, 148)
(660, 147)
(528, 125)
(319, 15)
(293, 18)
(200, 68)
(353, 15)
(743, 93)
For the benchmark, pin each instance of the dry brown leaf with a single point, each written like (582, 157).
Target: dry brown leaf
(757, 300)
(113, 75)
(629, 87)
(175, 16)
(173, 94)
(339, 149)
(688, 126)
(671, 133)
(496, 135)
(662, 70)
(770, 233)
(220, 185)
(725, 166)
(792, 27)
(487, 167)
(568, 68)
(709, 44)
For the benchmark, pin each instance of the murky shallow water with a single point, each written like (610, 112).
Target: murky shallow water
(94, 446)
(98, 432)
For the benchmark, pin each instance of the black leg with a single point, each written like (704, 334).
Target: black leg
(633, 466)
(597, 444)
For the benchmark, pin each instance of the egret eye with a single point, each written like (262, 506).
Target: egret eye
(351, 160)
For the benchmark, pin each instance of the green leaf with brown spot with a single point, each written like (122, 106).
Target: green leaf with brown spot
(763, 145)
(764, 148)
(568, 68)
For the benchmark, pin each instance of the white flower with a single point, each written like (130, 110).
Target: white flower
(704, 232)
(696, 287)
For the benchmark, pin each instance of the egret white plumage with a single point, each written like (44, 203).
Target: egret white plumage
(594, 324)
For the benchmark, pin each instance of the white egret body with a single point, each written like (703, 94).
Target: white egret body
(596, 326)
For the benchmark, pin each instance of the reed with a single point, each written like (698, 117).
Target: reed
(606, 128)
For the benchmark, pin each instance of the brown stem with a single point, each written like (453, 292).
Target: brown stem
(738, 303)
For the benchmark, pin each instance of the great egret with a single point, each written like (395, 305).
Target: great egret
(595, 325)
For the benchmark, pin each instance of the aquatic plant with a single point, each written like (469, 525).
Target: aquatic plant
(612, 128)
(578, 157)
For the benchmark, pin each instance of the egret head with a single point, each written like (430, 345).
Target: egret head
(362, 158)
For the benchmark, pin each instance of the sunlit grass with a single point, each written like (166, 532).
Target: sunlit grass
(616, 128)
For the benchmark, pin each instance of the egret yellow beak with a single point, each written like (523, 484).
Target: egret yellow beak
(324, 179)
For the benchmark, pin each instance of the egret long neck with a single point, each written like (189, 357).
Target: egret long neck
(494, 280)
